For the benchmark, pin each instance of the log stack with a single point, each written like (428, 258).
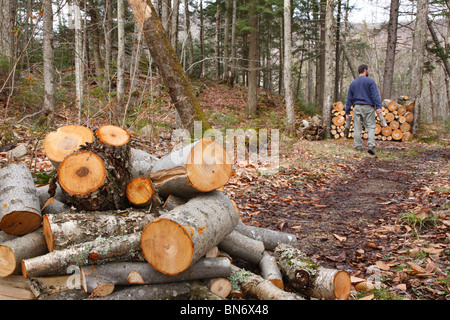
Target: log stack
(399, 116)
(172, 233)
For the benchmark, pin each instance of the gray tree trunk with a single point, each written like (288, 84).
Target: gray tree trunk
(390, 51)
(49, 64)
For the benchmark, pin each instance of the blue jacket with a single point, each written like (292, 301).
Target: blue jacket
(362, 90)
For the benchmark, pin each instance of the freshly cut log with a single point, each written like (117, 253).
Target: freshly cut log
(254, 285)
(338, 106)
(112, 135)
(101, 279)
(410, 107)
(43, 286)
(65, 140)
(238, 245)
(394, 124)
(377, 128)
(397, 134)
(166, 291)
(20, 211)
(389, 117)
(409, 116)
(309, 278)
(179, 238)
(199, 167)
(338, 121)
(140, 191)
(270, 270)
(406, 136)
(390, 104)
(405, 127)
(270, 238)
(402, 119)
(141, 163)
(67, 229)
(95, 177)
(401, 110)
(218, 286)
(101, 250)
(386, 131)
(15, 287)
(14, 251)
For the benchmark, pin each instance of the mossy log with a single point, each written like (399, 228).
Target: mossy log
(20, 211)
(101, 250)
(255, 286)
(309, 278)
(67, 229)
(179, 238)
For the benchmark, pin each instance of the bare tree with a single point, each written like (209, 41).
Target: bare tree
(49, 62)
(329, 67)
(288, 96)
(390, 51)
(120, 54)
(253, 61)
(79, 57)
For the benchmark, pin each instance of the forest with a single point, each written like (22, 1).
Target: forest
(142, 71)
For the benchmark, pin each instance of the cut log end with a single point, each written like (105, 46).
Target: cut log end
(20, 222)
(208, 166)
(113, 135)
(48, 234)
(139, 191)
(342, 285)
(167, 246)
(81, 173)
(221, 287)
(65, 140)
(7, 261)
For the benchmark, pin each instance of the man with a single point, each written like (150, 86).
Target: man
(363, 96)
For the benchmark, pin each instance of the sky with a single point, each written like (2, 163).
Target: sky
(370, 11)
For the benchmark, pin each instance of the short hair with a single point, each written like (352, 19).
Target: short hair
(362, 67)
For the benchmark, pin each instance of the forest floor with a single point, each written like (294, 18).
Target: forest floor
(385, 219)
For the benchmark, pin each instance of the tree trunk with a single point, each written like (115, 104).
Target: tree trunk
(288, 96)
(12, 252)
(201, 166)
(20, 212)
(79, 58)
(101, 250)
(49, 64)
(217, 40)
(254, 285)
(102, 279)
(233, 43)
(309, 278)
(190, 44)
(253, 62)
(67, 229)
(390, 51)
(329, 67)
(179, 238)
(120, 55)
(164, 56)
(418, 52)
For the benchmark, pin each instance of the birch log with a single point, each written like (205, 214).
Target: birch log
(20, 211)
(309, 278)
(182, 236)
(199, 167)
(243, 247)
(15, 250)
(101, 250)
(270, 270)
(100, 280)
(67, 229)
(141, 163)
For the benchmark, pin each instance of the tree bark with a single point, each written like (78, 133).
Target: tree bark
(120, 55)
(164, 56)
(253, 62)
(179, 238)
(270, 238)
(20, 212)
(49, 63)
(67, 229)
(169, 291)
(270, 270)
(79, 58)
(329, 67)
(288, 95)
(243, 247)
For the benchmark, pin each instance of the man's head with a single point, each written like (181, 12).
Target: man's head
(363, 70)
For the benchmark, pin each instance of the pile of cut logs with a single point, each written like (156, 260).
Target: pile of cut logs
(118, 223)
(398, 114)
(311, 129)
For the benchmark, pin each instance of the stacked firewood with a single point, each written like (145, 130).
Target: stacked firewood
(399, 116)
(119, 223)
(311, 129)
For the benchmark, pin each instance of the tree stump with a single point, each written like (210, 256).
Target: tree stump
(20, 211)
